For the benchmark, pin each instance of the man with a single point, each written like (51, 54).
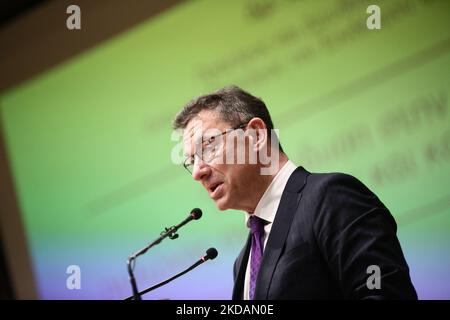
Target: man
(312, 236)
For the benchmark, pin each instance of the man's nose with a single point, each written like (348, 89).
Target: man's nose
(200, 169)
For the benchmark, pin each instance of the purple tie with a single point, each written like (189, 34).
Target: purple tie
(257, 229)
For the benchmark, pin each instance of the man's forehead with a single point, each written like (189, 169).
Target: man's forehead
(194, 127)
(192, 133)
(202, 122)
(205, 122)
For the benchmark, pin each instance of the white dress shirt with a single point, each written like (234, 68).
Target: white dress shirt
(267, 209)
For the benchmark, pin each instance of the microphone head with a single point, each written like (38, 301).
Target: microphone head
(211, 253)
(196, 213)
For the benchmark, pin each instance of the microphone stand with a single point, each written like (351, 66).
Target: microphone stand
(156, 286)
(169, 232)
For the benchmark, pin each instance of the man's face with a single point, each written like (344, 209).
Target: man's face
(228, 184)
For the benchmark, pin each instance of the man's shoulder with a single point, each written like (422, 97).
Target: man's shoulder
(334, 200)
(330, 179)
(326, 181)
(332, 188)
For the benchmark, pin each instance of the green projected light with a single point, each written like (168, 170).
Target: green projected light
(89, 142)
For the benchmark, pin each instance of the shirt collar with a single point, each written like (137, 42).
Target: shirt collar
(268, 204)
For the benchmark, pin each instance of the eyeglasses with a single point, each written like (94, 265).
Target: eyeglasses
(208, 149)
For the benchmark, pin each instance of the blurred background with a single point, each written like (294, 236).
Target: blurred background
(86, 141)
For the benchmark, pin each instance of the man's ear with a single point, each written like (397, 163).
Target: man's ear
(258, 133)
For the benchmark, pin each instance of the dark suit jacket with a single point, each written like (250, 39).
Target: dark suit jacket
(329, 228)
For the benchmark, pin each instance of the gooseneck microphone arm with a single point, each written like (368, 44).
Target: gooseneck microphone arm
(168, 232)
(211, 254)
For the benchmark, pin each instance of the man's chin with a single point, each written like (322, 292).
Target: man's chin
(221, 204)
(221, 207)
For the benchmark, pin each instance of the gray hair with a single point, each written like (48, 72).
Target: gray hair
(233, 105)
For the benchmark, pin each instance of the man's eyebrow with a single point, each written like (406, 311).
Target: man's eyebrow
(200, 139)
(190, 155)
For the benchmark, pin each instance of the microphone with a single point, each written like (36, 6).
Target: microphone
(195, 214)
(211, 254)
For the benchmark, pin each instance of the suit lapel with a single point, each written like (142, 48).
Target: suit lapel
(280, 229)
(241, 266)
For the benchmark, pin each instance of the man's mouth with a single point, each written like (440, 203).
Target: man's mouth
(215, 190)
